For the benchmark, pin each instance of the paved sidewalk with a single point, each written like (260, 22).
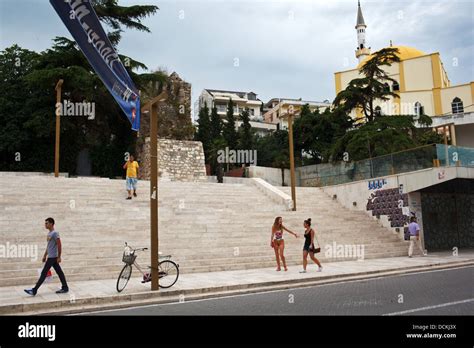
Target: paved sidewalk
(101, 294)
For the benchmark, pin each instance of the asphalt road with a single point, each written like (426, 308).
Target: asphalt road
(444, 292)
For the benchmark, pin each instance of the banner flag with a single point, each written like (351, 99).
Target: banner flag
(82, 22)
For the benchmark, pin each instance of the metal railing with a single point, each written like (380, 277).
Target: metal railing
(424, 157)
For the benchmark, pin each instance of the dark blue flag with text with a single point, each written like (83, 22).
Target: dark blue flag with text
(82, 22)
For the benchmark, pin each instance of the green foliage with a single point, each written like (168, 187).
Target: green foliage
(246, 136)
(27, 116)
(315, 133)
(229, 132)
(216, 124)
(361, 93)
(203, 133)
(272, 149)
(386, 134)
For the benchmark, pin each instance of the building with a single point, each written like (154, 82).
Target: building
(242, 101)
(277, 109)
(422, 83)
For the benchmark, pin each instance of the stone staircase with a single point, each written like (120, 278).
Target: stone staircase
(205, 226)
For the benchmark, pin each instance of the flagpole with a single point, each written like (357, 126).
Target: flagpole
(58, 128)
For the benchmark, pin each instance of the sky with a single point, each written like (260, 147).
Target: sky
(277, 49)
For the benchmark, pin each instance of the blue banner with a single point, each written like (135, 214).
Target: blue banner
(81, 20)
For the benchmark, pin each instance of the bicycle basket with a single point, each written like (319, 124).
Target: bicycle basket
(128, 256)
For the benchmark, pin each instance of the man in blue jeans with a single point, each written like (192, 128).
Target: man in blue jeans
(53, 254)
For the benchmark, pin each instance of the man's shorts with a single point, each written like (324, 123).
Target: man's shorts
(131, 183)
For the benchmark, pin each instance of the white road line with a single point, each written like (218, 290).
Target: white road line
(431, 307)
(268, 291)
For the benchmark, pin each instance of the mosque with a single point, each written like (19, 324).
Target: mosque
(422, 84)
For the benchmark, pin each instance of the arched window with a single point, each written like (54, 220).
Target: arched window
(386, 87)
(378, 111)
(396, 86)
(457, 106)
(419, 109)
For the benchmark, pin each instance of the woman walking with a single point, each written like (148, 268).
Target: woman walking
(278, 243)
(308, 247)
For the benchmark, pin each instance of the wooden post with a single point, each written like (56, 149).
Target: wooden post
(445, 132)
(154, 196)
(292, 160)
(58, 128)
(152, 108)
(453, 135)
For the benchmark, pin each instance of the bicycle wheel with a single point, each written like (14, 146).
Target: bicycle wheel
(124, 277)
(168, 273)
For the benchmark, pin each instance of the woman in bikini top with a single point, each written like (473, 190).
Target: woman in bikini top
(277, 242)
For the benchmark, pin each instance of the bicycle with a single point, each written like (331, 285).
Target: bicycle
(168, 271)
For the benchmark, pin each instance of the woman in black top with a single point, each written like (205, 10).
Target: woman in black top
(308, 247)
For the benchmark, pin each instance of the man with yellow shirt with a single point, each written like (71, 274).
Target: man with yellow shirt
(132, 176)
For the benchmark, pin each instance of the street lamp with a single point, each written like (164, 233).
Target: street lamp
(292, 158)
(152, 108)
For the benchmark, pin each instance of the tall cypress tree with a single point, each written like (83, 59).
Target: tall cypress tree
(229, 132)
(203, 133)
(245, 132)
(216, 124)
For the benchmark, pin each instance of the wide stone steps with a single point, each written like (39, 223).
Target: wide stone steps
(205, 226)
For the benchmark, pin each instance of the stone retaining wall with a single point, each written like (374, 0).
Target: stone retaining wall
(178, 160)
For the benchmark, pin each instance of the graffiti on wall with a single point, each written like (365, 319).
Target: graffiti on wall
(376, 184)
(390, 202)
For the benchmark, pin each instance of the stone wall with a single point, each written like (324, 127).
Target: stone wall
(178, 160)
(174, 114)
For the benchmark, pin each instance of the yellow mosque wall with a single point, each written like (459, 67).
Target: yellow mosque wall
(422, 78)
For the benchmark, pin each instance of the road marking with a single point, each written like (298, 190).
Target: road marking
(271, 291)
(431, 307)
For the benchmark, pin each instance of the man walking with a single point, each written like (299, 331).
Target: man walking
(414, 230)
(132, 174)
(52, 257)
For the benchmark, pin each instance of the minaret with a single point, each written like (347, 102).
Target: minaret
(362, 50)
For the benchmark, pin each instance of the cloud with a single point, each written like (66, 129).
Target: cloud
(284, 48)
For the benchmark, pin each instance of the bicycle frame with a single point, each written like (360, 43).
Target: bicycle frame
(135, 263)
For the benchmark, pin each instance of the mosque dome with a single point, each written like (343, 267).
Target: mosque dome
(404, 52)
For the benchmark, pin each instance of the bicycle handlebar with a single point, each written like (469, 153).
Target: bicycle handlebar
(138, 249)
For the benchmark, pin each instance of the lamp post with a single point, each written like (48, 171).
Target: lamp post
(58, 128)
(292, 159)
(152, 108)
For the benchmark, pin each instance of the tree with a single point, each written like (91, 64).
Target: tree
(203, 133)
(245, 131)
(315, 133)
(115, 16)
(361, 93)
(216, 124)
(229, 132)
(27, 124)
(217, 144)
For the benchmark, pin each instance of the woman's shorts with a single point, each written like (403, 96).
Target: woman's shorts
(131, 183)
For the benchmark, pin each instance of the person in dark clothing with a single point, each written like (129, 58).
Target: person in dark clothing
(52, 258)
(308, 247)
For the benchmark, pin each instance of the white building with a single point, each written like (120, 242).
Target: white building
(277, 109)
(241, 100)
